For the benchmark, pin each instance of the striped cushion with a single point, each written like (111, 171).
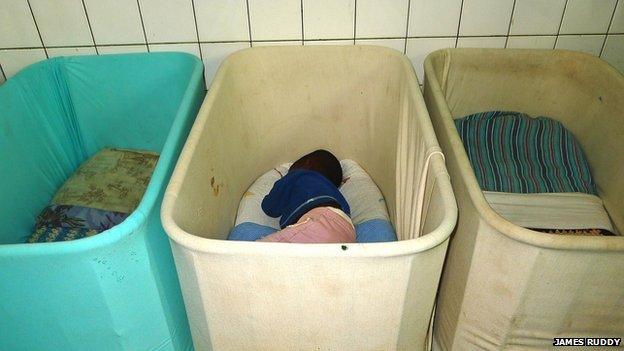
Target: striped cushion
(512, 152)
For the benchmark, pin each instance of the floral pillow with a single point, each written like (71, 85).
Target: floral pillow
(111, 180)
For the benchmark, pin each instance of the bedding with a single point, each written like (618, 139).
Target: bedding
(368, 208)
(514, 153)
(533, 173)
(111, 180)
(555, 213)
(101, 194)
(65, 222)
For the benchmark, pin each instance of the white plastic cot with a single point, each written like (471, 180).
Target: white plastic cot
(504, 286)
(268, 106)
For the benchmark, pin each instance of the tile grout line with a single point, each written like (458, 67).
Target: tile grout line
(84, 8)
(461, 10)
(307, 40)
(513, 10)
(249, 23)
(604, 43)
(142, 25)
(565, 7)
(354, 20)
(32, 13)
(302, 26)
(201, 57)
(409, 6)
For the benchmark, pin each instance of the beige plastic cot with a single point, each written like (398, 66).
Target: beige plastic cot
(268, 106)
(503, 286)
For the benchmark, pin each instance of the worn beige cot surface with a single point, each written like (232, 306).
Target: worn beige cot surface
(503, 286)
(265, 107)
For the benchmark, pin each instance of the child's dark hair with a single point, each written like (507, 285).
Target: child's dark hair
(321, 161)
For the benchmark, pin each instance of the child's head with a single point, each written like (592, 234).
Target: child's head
(321, 161)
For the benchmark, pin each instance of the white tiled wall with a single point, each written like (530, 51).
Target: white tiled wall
(31, 30)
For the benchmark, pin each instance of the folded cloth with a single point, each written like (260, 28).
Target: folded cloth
(319, 225)
(571, 211)
(514, 153)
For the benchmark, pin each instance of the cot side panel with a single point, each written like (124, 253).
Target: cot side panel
(523, 296)
(461, 248)
(337, 303)
(39, 146)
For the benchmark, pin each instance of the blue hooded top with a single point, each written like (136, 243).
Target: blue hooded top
(298, 192)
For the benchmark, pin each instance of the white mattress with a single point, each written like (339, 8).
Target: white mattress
(551, 210)
(364, 198)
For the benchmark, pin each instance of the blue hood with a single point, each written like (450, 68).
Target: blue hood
(298, 192)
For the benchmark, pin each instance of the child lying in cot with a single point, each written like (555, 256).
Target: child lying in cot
(309, 204)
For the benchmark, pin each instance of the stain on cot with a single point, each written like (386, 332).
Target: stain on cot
(215, 187)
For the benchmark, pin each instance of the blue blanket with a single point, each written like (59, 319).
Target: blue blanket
(66, 222)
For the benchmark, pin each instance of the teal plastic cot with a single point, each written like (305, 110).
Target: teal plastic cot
(117, 290)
